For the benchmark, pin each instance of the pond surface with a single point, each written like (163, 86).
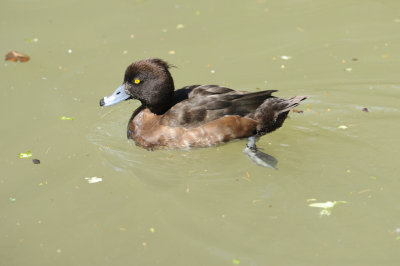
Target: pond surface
(204, 206)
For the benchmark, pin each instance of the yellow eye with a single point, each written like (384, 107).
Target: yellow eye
(137, 81)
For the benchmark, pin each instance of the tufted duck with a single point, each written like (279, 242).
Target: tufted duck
(197, 115)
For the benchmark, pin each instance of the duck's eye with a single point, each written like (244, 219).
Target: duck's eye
(137, 81)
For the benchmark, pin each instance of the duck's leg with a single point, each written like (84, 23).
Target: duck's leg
(258, 157)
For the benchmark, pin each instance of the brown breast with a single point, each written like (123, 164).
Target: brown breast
(147, 131)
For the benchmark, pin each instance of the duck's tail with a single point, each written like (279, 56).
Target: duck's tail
(273, 112)
(292, 103)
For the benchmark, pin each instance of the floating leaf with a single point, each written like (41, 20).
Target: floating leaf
(12, 199)
(94, 179)
(236, 261)
(17, 57)
(23, 155)
(327, 207)
(66, 118)
(32, 40)
(152, 229)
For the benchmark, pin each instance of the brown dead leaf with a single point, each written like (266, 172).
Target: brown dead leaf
(297, 111)
(17, 57)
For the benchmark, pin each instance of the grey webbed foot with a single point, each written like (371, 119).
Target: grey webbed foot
(258, 157)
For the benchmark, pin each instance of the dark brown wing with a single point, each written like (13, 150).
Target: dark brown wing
(198, 105)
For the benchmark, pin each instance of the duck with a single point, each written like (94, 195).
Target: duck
(196, 116)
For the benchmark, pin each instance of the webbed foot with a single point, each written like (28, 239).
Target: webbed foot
(258, 157)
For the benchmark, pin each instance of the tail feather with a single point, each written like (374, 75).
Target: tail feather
(292, 103)
(273, 112)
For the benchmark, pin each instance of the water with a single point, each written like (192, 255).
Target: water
(204, 206)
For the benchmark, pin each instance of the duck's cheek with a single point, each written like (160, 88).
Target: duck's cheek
(117, 96)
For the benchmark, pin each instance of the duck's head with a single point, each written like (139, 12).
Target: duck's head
(148, 81)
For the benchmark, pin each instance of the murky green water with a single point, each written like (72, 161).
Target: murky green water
(207, 206)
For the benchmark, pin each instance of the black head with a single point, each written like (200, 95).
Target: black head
(148, 81)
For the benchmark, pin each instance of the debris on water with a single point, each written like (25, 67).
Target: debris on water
(122, 229)
(17, 57)
(372, 177)
(365, 109)
(152, 229)
(132, 36)
(171, 52)
(354, 59)
(94, 179)
(297, 111)
(69, 51)
(197, 13)
(286, 57)
(309, 200)
(236, 261)
(179, 26)
(327, 207)
(66, 118)
(36, 161)
(348, 69)
(23, 155)
(247, 174)
(364, 191)
(43, 183)
(12, 199)
(342, 127)
(32, 40)
(212, 71)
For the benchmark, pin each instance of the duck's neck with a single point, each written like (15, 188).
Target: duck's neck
(159, 109)
(162, 102)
